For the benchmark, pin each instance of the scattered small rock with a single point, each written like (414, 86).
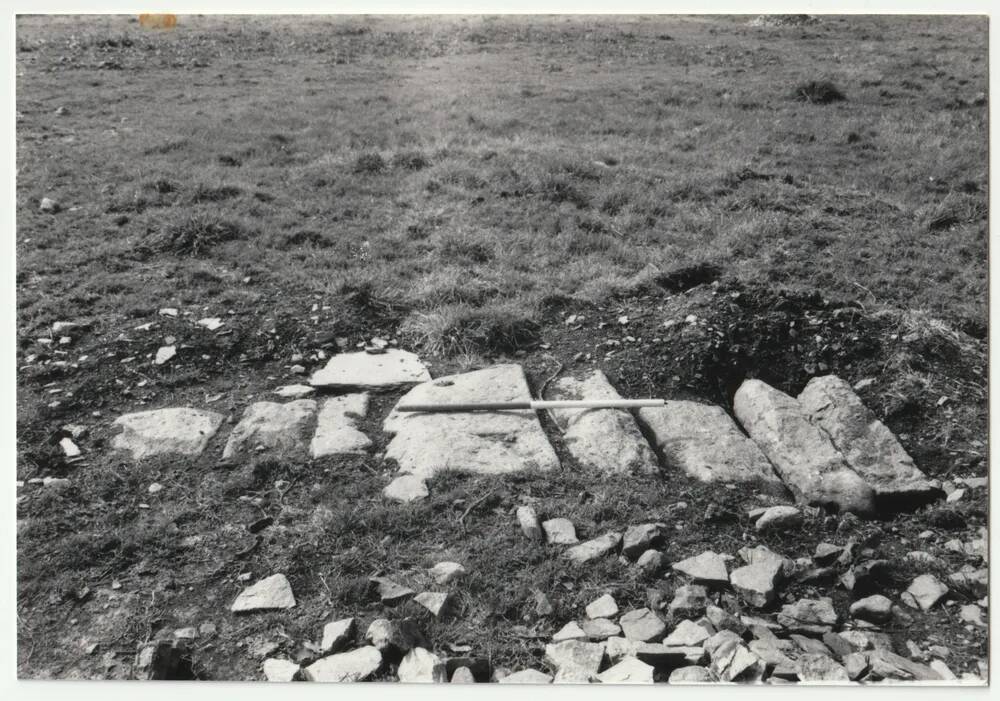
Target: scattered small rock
(270, 593)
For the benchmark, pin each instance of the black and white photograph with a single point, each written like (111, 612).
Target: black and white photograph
(591, 349)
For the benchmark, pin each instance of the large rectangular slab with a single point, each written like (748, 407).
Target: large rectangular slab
(336, 431)
(271, 426)
(867, 445)
(389, 369)
(801, 453)
(603, 439)
(493, 442)
(706, 443)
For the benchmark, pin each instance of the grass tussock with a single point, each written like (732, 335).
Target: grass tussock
(460, 329)
(196, 234)
(818, 92)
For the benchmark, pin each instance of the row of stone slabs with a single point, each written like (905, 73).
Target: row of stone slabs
(825, 446)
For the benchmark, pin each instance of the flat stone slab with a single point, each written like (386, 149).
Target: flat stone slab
(270, 593)
(406, 488)
(389, 369)
(276, 670)
(336, 430)
(277, 427)
(527, 676)
(708, 567)
(354, 666)
(867, 445)
(703, 441)
(628, 671)
(181, 431)
(607, 440)
(486, 442)
(800, 451)
(594, 549)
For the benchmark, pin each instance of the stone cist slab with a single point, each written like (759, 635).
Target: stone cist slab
(166, 431)
(389, 369)
(867, 445)
(801, 453)
(706, 443)
(494, 442)
(603, 439)
(336, 432)
(278, 427)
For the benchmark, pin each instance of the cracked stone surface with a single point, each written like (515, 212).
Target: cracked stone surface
(273, 426)
(270, 593)
(354, 666)
(336, 430)
(801, 453)
(867, 445)
(607, 440)
(181, 431)
(392, 368)
(494, 442)
(703, 441)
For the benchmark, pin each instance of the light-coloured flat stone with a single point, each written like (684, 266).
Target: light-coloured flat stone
(703, 441)
(757, 583)
(686, 634)
(575, 655)
(777, 518)
(602, 607)
(527, 676)
(180, 431)
(642, 625)
(295, 391)
(570, 631)
(639, 539)
(484, 442)
(867, 445)
(337, 634)
(527, 519)
(463, 675)
(692, 674)
(628, 671)
(708, 567)
(560, 531)
(421, 666)
(389, 369)
(354, 666)
(270, 593)
(436, 602)
(600, 629)
(276, 670)
(800, 451)
(820, 668)
(594, 549)
(812, 616)
(607, 440)
(446, 572)
(406, 488)
(336, 430)
(277, 427)
(924, 591)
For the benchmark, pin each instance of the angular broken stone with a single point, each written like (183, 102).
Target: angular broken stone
(925, 591)
(180, 431)
(827, 553)
(278, 427)
(942, 669)
(463, 675)
(421, 666)
(856, 665)
(734, 662)
(800, 452)
(629, 671)
(336, 430)
(690, 601)
(560, 531)
(575, 655)
(593, 549)
(402, 635)
(884, 664)
(708, 568)
(391, 593)
(705, 442)
(816, 616)
(757, 583)
(778, 518)
(530, 527)
(295, 391)
(392, 368)
(484, 442)
(270, 593)
(446, 572)
(723, 620)
(976, 581)
(354, 666)
(338, 634)
(692, 674)
(570, 631)
(875, 608)
(663, 656)
(527, 676)
(867, 445)
(639, 539)
(164, 354)
(276, 670)
(438, 603)
(406, 488)
(597, 629)
(820, 668)
(602, 607)
(716, 642)
(770, 651)
(840, 647)
(686, 634)
(606, 440)
(642, 625)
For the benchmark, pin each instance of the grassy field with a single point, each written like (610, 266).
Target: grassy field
(458, 184)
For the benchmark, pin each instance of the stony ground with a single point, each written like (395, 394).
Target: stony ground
(135, 562)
